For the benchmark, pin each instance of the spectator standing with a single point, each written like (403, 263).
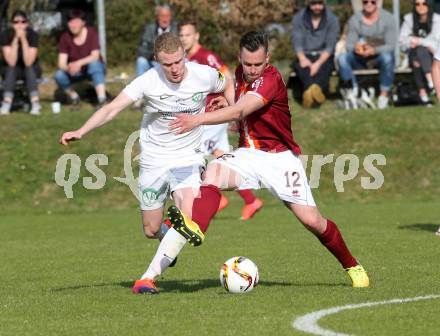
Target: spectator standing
(19, 45)
(315, 31)
(79, 58)
(371, 40)
(419, 37)
(145, 51)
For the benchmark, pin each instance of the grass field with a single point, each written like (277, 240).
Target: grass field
(68, 265)
(71, 274)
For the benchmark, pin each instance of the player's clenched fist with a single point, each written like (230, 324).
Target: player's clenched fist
(68, 137)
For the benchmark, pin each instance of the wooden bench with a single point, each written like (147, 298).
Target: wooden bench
(365, 78)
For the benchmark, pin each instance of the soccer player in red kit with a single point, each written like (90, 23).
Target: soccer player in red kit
(267, 157)
(215, 137)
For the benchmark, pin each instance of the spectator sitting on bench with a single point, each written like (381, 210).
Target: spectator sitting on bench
(79, 58)
(371, 39)
(315, 31)
(419, 37)
(19, 45)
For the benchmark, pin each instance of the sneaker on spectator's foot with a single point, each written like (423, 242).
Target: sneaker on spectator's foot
(145, 286)
(185, 226)
(317, 94)
(358, 276)
(307, 98)
(366, 98)
(75, 100)
(382, 102)
(223, 203)
(5, 109)
(35, 108)
(425, 101)
(249, 210)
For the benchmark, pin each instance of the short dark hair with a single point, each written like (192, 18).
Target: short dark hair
(76, 13)
(253, 40)
(188, 23)
(19, 12)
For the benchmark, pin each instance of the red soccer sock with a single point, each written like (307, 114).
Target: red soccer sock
(247, 196)
(205, 207)
(333, 241)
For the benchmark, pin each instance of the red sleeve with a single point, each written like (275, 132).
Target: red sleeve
(93, 39)
(63, 46)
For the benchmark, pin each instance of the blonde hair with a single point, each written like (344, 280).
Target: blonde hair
(168, 43)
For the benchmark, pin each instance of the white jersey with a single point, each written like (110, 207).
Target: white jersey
(163, 100)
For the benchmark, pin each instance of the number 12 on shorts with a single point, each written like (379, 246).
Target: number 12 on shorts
(292, 179)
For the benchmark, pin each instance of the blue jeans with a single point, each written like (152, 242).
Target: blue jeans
(143, 65)
(384, 62)
(95, 72)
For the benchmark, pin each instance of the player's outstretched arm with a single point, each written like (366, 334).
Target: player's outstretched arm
(99, 118)
(246, 105)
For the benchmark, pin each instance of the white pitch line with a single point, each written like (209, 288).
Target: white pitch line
(309, 322)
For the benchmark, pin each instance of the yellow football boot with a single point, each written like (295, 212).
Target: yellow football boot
(185, 226)
(358, 276)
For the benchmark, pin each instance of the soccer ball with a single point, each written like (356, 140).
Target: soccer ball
(239, 275)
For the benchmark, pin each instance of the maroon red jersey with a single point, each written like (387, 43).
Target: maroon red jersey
(76, 52)
(268, 129)
(204, 56)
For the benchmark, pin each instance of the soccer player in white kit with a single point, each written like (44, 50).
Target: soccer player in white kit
(170, 163)
(436, 80)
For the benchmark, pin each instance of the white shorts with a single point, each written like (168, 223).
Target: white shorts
(215, 137)
(282, 173)
(157, 183)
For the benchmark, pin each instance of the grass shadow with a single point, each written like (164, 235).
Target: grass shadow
(420, 227)
(193, 285)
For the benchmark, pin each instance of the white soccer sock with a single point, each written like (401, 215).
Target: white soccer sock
(170, 246)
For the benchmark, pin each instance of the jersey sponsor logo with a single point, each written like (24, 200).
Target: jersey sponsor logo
(149, 196)
(257, 83)
(197, 97)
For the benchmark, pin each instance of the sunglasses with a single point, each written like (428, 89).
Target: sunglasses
(19, 21)
(366, 2)
(424, 4)
(314, 3)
